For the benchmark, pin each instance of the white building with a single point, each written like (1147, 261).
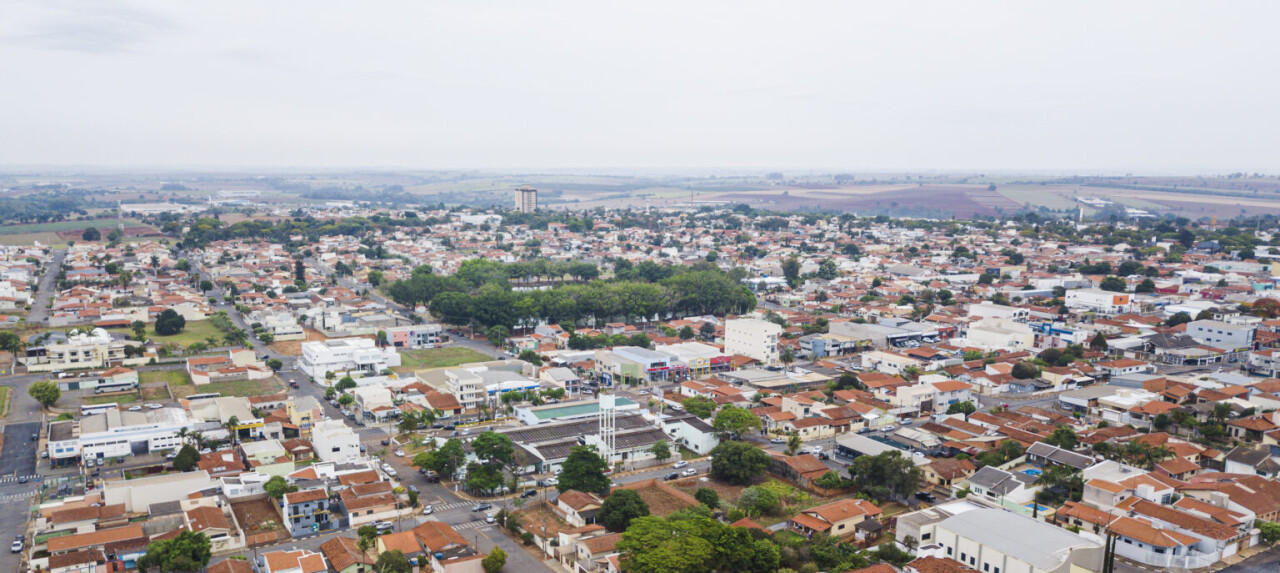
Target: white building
(334, 441)
(346, 355)
(1098, 300)
(115, 433)
(1001, 333)
(988, 309)
(1222, 335)
(998, 541)
(752, 337)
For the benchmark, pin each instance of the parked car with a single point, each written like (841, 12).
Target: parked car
(135, 408)
(16, 547)
(171, 455)
(363, 449)
(816, 449)
(466, 431)
(689, 472)
(384, 525)
(414, 489)
(529, 493)
(399, 453)
(428, 509)
(22, 479)
(293, 384)
(680, 464)
(778, 441)
(482, 506)
(823, 456)
(547, 482)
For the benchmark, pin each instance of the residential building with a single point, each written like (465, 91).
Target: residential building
(998, 541)
(752, 337)
(307, 512)
(1099, 301)
(526, 199)
(345, 355)
(335, 441)
(845, 518)
(1223, 335)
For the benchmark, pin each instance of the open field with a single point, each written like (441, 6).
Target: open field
(44, 237)
(104, 225)
(195, 331)
(234, 388)
(170, 377)
(118, 399)
(420, 359)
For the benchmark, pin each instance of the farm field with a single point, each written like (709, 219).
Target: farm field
(420, 359)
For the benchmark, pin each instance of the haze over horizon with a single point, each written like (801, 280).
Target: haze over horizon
(1164, 87)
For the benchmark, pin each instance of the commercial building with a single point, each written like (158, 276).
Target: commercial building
(1098, 300)
(1222, 335)
(115, 433)
(752, 337)
(415, 336)
(998, 541)
(335, 441)
(345, 355)
(56, 351)
(632, 363)
(526, 199)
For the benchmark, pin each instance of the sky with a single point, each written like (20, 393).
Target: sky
(1083, 86)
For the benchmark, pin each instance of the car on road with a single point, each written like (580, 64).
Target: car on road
(529, 493)
(171, 455)
(35, 437)
(671, 476)
(428, 509)
(490, 518)
(16, 547)
(363, 449)
(399, 453)
(293, 384)
(386, 442)
(482, 506)
(22, 479)
(389, 470)
(135, 408)
(548, 482)
(680, 464)
(778, 441)
(154, 406)
(816, 449)
(466, 431)
(823, 456)
(384, 525)
(926, 496)
(689, 472)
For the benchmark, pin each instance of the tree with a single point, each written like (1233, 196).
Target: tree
(699, 406)
(392, 561)
(708, 497)
(170, 323)
(188, 551)
(139, 330)
(1113, 284)
(91, 234)
(794, 443)
(1063, 437)
(1178, 318)
(660, 451)
(734, 420)
(965, 408)
(44, 392)
(494, 561)
(656, 545)
(499, 334)
(484, 477)
(1161, 422)
(531, 356)
(186, 459)
(686, 333)
(493, 448)
(275, 364)
(346, 400)
(787, 358)
(791, 270)
(1270, 531)
(620, 508)
(346, 383)
(757, 501)
(584, 471)
(375, 278)
(707, 330)
(737, 462)
(206, 285)
(1147, 285)
(1098, 343)
(885, 475)
(277, 486)
(445, 460)
(1025, 370)
(267, 337)
(299, 271)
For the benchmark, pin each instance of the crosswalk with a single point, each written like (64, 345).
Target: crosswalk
(15, 479)
(438, 507)
(17, 497)
(473, 525)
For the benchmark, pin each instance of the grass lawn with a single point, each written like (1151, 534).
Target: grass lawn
(4, 401)
(103, 225)
(170, 377)
(195, 331)
(120, 399)
(235, 388)
(423, 358)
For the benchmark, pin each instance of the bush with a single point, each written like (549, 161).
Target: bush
(526, 538)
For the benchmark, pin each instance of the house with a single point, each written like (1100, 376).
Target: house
(1042, 454)
(307, 512)
(691, 432)
(449, 550)
(368, 502)
(998, 541)
(843, 518)
(944, 472)
(405, 542)
(803, 470)
(1243, 460)
(297, 561)
(1000, 486)
(577, 508)
(344, 556)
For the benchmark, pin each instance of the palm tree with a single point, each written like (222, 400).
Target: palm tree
(787, 358)
(231, 424)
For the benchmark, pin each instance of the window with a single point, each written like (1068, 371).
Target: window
(964, 556)
(973, 560)
(948, 551)
(986, 566)
(925, 536)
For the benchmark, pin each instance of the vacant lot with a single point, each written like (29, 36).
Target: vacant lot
(257, 516)
(728, 493)
(420, 359)
(103, 225)
(117, 399)
(919, 201)
(294, 347)
(170, 377)
(235, 388)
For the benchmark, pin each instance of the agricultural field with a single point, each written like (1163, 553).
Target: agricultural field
(424, 358)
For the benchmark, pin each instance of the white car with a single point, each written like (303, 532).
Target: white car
(816, 449)
(428, 510)
(154, 406)
(16, 547)
(689, 472)
(399, 453)
(135, 408)
(680, 464)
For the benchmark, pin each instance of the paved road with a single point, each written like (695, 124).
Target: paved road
(1266, 562)
(39, 306)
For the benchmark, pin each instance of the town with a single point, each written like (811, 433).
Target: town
(349, 387)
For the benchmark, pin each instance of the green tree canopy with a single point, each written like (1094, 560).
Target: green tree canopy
(732, 419)
(170, 323)
(620, 508)
(186, 459)
(45, 392)
(885, 476)
(737, 462)
(584, 471)
(699, 406)
(186, 552)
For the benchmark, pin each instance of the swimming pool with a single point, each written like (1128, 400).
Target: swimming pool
(1032, 472)
(1033, 506)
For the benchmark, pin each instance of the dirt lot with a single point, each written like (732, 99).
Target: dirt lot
(660, 502)
(294, 347)
(728, 493)
(257, 516)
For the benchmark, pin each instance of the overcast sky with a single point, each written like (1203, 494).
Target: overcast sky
(1068, 85)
